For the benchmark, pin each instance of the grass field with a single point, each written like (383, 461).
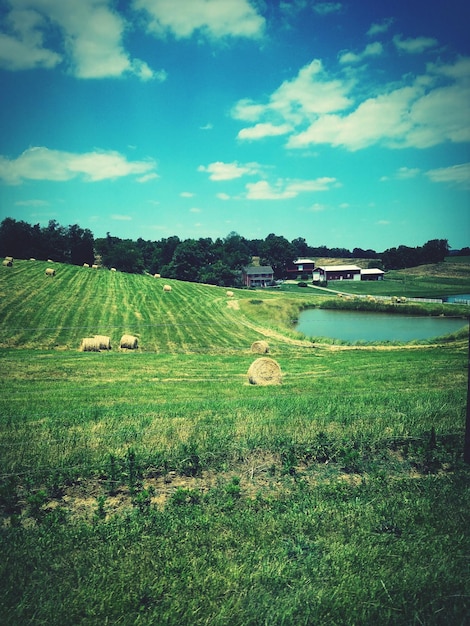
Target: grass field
(157, 486)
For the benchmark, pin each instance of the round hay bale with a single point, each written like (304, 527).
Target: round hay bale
(230, 294)
(156, 276)
(90, 344)
(264, 371)
(113, 269)
(7, 263)
(260, 347)
(32, 259)
(129, 342)
(8, 258)
(166, 288)
(94, 266)
(86, 265)
(104, 342)
(50, 271)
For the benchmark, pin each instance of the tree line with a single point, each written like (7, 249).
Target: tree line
(216, 262)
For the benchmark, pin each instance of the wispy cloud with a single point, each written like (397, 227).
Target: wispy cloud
(455, 175)
(228, 171)
(380, 27)
(215, 19)
(264, 130)
(372, 50)
(283, 189)
(54, 165)
(414, 46)
(324, 8)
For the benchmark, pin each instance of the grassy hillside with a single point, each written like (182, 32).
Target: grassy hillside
(57, 312)
(159, 487)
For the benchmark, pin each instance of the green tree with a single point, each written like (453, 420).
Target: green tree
(277, 252)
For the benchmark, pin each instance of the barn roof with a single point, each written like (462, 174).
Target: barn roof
(339, 268)
(372, 271)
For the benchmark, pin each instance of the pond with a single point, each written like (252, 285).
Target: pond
(367, 326)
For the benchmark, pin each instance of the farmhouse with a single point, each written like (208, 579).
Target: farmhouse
(300, 268)
(324, 273)
(257, 276)
(372, 274)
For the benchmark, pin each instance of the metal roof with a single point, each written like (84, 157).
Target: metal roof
(339, 268)
(372, 270)
(258, 269)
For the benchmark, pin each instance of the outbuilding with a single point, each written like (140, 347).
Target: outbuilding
(324, 273)
(372, 274)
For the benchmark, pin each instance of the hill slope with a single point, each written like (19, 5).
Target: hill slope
(37, 311)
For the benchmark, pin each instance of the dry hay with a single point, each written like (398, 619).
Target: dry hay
(94, 266)
(50, 271)
(166, 288)
(90, 344)
(7, 262)
(260, 347)
(156, 276)
(86, 265)
(104, 342)
(230, 294)
(129, 342)
(113, 269)
(264, 371)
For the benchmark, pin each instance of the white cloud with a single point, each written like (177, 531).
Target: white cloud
(405, 173)
(228, 171)
(284, 189)
(223, 196)
(310, 94)
(186, 194)
(456, 174)
(216, 19)
(324, 8)
(264, 130)
(91, 33)
(195, 210)
(147, 177)
(54, 165)
(121, 218)
(414, 46)
(380, 27)
(371, 50)
(431, 110)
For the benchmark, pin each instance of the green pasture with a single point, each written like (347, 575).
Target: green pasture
(157, 486)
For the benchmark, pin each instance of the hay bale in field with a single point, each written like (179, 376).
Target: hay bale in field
(113, 269)
(50, 261)
(86, 265)
(264, 371)
(166, 288)
(32, 259)
(90, 344)
(129, 342)
(260, 347)
(156, 276)
(104, 342)
(94, 266)
(50, 271)
(7, 263)
(230, 294)
(9, 258)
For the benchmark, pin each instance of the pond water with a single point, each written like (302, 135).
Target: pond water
(366, 326)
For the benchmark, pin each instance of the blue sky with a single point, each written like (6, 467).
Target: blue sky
(346, 123)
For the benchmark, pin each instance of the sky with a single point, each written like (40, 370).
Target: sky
(345, 123)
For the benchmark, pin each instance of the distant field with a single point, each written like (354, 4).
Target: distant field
(157, 486)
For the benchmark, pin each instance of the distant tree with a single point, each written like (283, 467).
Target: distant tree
(301, 248)
(80, 245)
(189, 258)
(434, 251)
(234, 251)
(16, 239)
(163, 253)
(218, 273)
(277, 252)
